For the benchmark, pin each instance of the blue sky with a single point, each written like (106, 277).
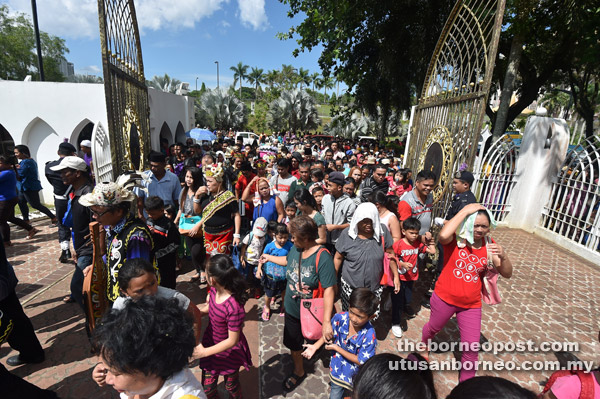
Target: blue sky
(183, 38)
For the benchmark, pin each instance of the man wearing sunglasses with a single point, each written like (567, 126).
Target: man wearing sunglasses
(75, 174)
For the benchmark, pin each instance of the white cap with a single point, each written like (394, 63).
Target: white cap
(71, 163)
(259, 228)
(86, 143)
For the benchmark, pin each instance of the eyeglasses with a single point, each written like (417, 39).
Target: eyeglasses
(97, 214)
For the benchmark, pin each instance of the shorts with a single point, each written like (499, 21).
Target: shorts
(292, 333)
(272, 287)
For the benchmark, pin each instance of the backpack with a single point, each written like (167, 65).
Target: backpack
(586, 379)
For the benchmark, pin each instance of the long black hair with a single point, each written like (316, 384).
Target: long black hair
(487, 387)
(304, 197)
(22, 148)
(220, 267)
(196, 176)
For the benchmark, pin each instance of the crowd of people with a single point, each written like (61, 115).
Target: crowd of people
(305, 222)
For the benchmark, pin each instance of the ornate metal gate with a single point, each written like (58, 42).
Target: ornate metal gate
(572, 209)
(495, 176)
(124, 85)
(450, 111)
(103, 170)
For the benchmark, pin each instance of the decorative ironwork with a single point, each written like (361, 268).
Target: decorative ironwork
(572, 209)
(495, 176)
(102, 162)
(456, 89)
(124, 85)
(438, 158)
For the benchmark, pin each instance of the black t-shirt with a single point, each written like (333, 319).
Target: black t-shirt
(459, 201)
(222, 219)
(166, 238)
(82, 216)
(54, 177)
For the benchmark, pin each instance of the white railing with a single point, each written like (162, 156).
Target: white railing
(495, 176)
(572, 209)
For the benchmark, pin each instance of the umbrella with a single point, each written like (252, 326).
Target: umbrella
(201, 134)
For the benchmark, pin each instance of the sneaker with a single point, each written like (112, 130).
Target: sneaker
(65, 256)
(397, 331)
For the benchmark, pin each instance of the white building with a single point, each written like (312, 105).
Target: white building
(42, 115)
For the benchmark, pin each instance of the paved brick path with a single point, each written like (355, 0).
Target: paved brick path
(550, 298)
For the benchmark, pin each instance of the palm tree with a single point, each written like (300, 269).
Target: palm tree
(294, 110)
(256, 77)
(327, 83)
(224, 110)
(239, 72)
(304, 77)
(164, 83)
(287, 75)
(315, 79)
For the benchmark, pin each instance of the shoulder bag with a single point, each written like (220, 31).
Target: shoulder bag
(312, 310)
(489, 283)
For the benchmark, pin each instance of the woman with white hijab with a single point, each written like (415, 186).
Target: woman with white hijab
(360, 253)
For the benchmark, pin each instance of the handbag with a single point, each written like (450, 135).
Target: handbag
(237, 263)
(489, 283)
(312, 310)
(188, 222)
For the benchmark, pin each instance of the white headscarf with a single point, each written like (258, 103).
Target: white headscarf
(366, 210)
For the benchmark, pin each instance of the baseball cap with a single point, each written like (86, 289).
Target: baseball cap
(465, 175)
(337, 178)
(259, 228)
(71, 162)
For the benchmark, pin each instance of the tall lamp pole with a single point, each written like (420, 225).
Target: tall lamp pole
(217, 62)
(196, 83)
(37, 39)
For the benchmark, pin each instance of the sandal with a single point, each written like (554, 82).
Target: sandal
(266, 314)
(289, 386)
(32, 232)
(68, 299)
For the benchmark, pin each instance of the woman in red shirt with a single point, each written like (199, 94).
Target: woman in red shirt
(458, 289)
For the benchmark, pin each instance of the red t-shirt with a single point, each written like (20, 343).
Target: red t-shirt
(409, 253)
(241, 185)
(459, 283)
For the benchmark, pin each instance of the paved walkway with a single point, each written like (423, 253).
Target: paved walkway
(551, 297)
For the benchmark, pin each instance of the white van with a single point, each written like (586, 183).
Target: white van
(248, 137)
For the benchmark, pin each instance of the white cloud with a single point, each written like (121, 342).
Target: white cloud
(90, 70)
(252, 14)
(79, 18)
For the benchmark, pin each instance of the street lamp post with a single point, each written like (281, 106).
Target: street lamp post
(37, 39)
(217, 62)
(196, 83)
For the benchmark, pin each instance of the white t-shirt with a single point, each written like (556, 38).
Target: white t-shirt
(181, 385)
(254, 249)
(163, 292)
(282, 186)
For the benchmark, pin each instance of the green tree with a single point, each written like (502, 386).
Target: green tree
(84, 79)
(256, 77)
(304, 77)
(380, 48)
(18, 54)
(240, 72)
(557, 44)
(314, 78)
(221, 110)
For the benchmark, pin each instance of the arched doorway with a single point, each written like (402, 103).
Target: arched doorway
(7, 144)
(180, 134)
(85, 134)
(165, 133)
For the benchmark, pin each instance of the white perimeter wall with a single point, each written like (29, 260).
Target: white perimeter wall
(42, 115)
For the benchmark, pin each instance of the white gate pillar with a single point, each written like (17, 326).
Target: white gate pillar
(537, 169)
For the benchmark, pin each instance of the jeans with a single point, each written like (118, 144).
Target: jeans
(77, 279)
(469, 325)
(33, 198)
(338, 391)
(64, 232)
(401, 300)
